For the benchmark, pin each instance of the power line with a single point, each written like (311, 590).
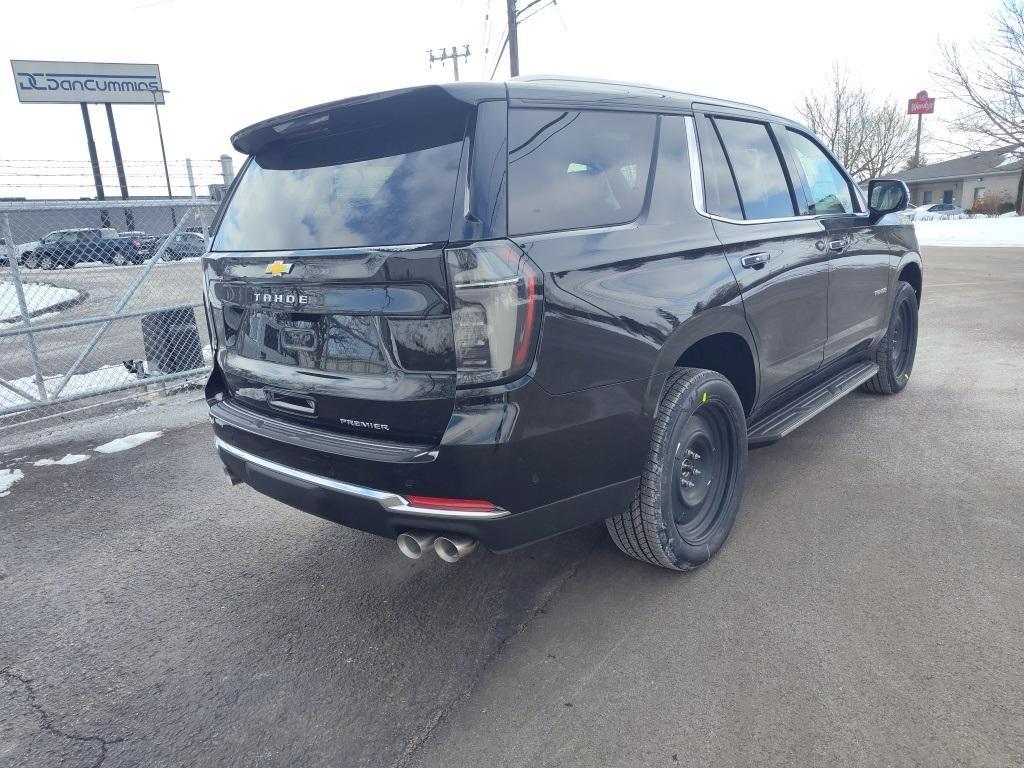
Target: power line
(527, 7)
(497, 63)
(530, 16)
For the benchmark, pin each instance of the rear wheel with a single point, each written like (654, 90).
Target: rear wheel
(30, 260)
(49, 262)
(692, 482)
(896, 352)
(118, 259)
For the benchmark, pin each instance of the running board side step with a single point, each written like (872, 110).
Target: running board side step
(777, 424)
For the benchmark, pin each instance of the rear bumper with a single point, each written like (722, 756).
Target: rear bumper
(388, 514)
(548, 463)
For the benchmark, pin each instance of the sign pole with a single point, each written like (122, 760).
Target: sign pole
(917, 146)
(129, 217)
(118, 162)
(93, 158)
(921, 105)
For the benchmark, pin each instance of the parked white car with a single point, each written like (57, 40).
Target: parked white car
(938, 210)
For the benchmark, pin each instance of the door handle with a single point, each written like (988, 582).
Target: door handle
(838, 246)
(292, 403)
(755, 260)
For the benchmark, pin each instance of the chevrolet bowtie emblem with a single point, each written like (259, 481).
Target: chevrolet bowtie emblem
(278, 268)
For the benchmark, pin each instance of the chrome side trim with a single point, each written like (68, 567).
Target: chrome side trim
(697, 184)
(387, 500)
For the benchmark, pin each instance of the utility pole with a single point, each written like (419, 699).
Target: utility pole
(454, 55)
(513, 38)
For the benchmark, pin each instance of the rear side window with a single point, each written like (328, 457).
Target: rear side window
(720, 196)
(829, 191)
(764, 191)
(384, 184)
(572, 169)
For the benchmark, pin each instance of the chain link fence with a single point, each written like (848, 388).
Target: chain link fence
(99, 300)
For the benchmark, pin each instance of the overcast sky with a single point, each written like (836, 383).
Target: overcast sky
(228, 64)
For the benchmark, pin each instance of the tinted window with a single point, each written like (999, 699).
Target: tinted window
(764, 192)
(570, 169)
(829, 191)
(720, 196)
(380, 185)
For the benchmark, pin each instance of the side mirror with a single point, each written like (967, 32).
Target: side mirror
(886, 196)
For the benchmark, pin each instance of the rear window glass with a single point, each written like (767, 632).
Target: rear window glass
(720, 195)
(376, 185)
(573, 169)
(764, 191)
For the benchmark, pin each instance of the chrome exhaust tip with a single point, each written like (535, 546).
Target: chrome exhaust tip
(453, 547)
(413, 544)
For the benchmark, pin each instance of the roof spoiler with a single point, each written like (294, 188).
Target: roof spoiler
(346, 114)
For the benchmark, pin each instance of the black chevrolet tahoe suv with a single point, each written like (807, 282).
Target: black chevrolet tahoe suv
(497, 312)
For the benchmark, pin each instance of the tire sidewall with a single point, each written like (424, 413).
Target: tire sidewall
(707, 389)
(897, 381)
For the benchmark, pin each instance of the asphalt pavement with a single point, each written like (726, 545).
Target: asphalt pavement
(868, 609)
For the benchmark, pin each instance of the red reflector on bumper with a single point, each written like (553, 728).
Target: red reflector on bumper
(462, 505)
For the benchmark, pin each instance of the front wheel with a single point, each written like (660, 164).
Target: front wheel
(897, 350)
(692, 481)
(118, 259)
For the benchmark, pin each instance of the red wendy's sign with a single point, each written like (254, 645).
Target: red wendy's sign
(922, 105)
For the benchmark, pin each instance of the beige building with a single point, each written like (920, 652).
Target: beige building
(988, 176)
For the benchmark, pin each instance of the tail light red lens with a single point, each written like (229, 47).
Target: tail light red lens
(459, 505)
(497, 306)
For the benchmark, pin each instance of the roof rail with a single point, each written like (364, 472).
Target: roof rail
(626, 84)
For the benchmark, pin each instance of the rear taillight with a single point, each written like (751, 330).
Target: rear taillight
(137, 243)
(498, 300)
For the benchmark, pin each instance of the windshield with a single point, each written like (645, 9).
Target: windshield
(376, 185)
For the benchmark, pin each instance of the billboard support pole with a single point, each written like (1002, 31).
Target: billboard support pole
(93, 158)
(118, 162)
(163, 152)
(129, 218)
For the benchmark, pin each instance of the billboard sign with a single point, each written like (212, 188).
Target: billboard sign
(73, 82)
(922, 105)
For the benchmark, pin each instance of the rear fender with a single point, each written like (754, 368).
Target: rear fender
(725, 318)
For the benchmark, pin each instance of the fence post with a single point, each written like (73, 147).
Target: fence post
(26, 319)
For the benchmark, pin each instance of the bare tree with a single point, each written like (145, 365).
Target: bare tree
(988, 82)
(871, 137)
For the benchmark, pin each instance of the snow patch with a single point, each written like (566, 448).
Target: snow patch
(9, 477)
(1011, 157)
(38, 297)
(127, 442)
(71, 458)
(974, 233)
(80, 383)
